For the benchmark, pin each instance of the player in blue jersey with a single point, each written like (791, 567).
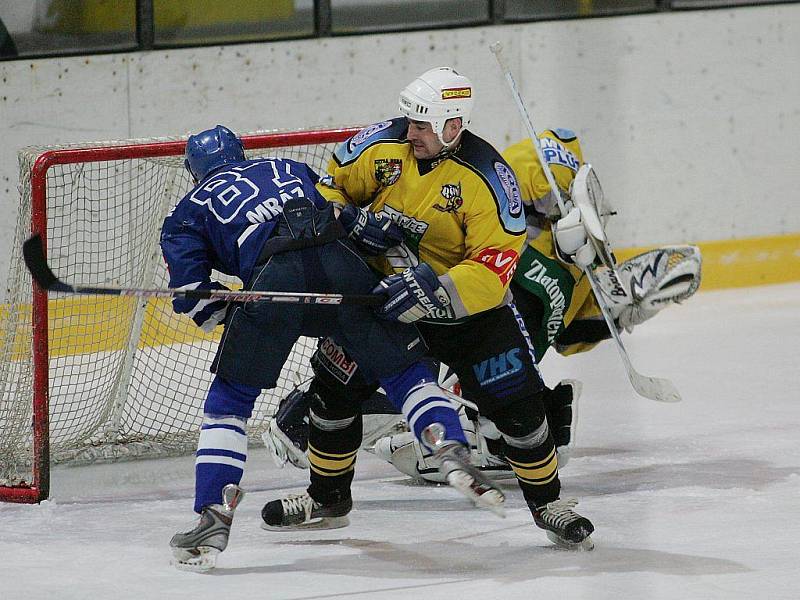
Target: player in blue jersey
(264, 222)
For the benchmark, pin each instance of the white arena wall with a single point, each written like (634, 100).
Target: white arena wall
(692, 119)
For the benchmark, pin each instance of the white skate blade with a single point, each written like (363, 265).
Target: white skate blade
(318, 523)
(198, 561)
(586, 545)
(492, 499)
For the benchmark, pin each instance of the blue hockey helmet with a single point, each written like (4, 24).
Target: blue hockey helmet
(211, 149)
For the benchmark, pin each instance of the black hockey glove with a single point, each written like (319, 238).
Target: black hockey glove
(373, 233)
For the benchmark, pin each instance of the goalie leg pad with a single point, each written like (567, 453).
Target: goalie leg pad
(286, 437)
(404, 452)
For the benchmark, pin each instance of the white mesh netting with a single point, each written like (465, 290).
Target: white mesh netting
(127, 377)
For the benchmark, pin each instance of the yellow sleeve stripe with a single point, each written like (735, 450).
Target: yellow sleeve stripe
(544, 461)
(330, 454)
(332, 473)
(331, 465)
(537, 481)
(540, 474)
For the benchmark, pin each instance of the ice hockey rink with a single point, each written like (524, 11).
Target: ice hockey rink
(699, 499)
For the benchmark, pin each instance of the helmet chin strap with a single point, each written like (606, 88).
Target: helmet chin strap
(448, 146)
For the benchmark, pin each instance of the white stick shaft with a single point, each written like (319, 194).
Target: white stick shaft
(650, 387)
(497, 50)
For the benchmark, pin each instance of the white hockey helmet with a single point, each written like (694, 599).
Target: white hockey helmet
(436, 96)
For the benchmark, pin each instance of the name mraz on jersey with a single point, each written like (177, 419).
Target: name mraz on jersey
(537, 273)
(272, 207)
(266, 211)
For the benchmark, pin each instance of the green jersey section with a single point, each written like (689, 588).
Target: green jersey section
(553, 284)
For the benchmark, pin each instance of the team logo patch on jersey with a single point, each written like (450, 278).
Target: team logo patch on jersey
(501, 262)
(454, 93)
(510, 187)
(335, 361)
(388, 170)
(556, 154)
(413, 228)
(366, 133)
(498, 367)
(451, 192)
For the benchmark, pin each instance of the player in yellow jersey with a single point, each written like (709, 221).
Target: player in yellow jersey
(459, 206)
(556, 301)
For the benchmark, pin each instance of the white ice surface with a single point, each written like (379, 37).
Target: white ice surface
(699, 499)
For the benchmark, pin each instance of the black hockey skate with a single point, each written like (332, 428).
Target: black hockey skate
(197, 550)
(301, 511)
(564, 526)
(286, 438)
(456, 467)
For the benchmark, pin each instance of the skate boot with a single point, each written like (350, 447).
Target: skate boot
(286, 437)
(561, 407)
(564, 527)
(301, 511)
(455, 466)
(197, 550)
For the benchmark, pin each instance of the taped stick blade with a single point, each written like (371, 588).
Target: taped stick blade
(655, 388)
(35, 260)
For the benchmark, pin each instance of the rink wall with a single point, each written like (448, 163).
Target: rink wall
(690, 118)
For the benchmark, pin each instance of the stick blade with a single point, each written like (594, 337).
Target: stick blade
(655, 388)
(35, 260)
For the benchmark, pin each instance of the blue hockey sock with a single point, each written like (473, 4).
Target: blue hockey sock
(222, 447)
(220, 458)
(422, 402)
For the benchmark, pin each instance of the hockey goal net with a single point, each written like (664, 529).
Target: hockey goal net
(102, 378)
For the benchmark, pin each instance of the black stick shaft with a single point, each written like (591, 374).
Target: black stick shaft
(35, 260)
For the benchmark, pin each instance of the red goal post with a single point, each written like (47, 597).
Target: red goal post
(87, 378)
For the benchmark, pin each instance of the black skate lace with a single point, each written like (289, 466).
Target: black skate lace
(559, 513)
(297, 503)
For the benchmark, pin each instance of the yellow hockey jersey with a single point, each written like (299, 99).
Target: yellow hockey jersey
(461, 214)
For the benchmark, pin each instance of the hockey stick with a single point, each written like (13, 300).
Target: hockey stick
(654, 388)
(35, 260)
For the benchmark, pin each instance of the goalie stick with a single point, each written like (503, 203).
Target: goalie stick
(654, 388)
(34, 256)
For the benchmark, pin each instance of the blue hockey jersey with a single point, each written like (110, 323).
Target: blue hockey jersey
(223, 222)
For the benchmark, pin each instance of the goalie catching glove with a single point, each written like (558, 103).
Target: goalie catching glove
(413, 294)
(373, 233)
(649, 282)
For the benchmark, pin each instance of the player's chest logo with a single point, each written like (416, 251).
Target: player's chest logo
(388, 170)
(452, 198)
